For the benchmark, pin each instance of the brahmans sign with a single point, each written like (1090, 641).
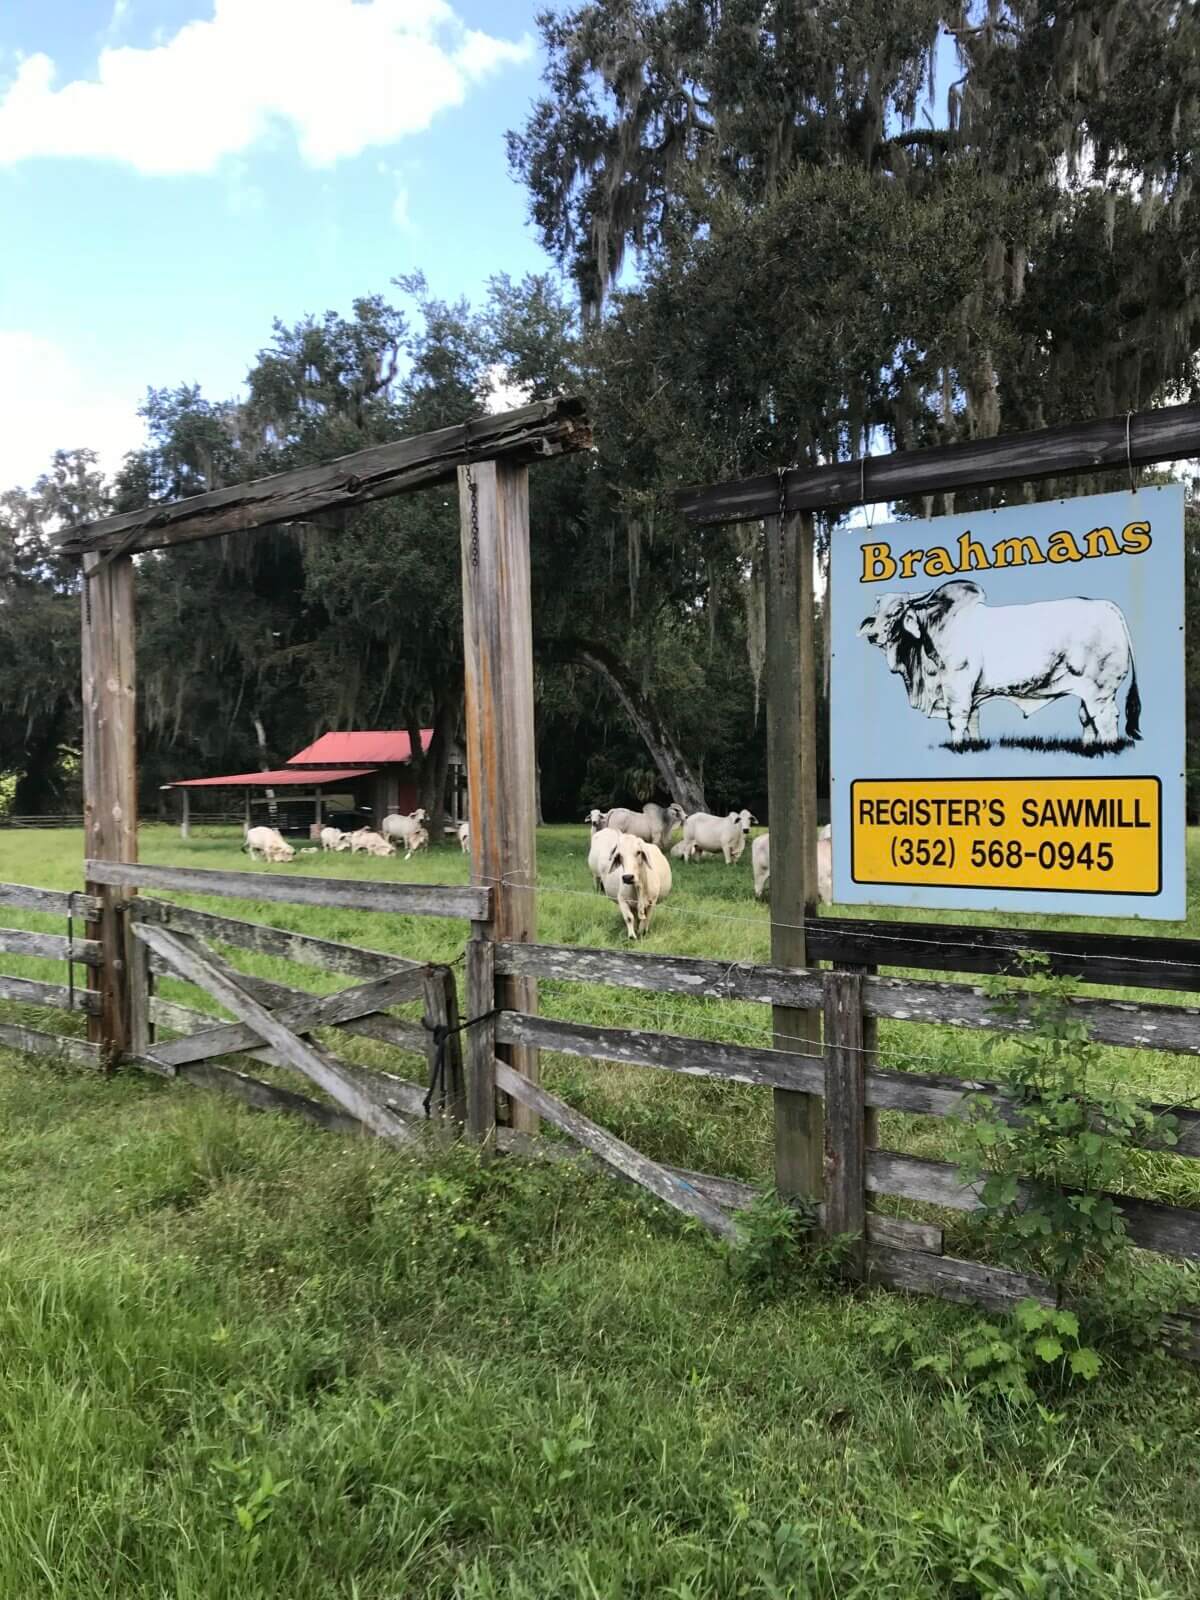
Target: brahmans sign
(1007, 708)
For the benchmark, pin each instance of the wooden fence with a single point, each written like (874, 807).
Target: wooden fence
(287, 1027)
(271, 1022)
(843, 1073)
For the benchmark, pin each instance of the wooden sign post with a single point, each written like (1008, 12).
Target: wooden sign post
(109, 779)
(501, 757)
(792, 798)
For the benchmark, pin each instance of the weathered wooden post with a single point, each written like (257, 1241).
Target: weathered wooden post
(185, 815)
(845, 1116)
(791, 663)
(501, 760)
(109, 778)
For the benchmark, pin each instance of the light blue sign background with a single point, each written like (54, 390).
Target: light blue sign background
(875, 733)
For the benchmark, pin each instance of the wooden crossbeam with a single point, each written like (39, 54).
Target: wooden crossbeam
(1143, 437)
(211, 974)
(530, 433)
(614, 1152)
(326, 1011)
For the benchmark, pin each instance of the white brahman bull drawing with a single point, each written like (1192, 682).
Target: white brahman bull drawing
(954, 651)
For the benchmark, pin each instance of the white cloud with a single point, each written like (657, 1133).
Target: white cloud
(400, 213)
(47, 403)
(341, 75)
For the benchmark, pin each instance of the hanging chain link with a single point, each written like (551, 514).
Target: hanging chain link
(473, 491)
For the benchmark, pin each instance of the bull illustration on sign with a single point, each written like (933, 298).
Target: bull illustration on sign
(954, 651)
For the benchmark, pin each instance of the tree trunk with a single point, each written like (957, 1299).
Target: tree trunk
(435, 763)
(37, 785)
(264, 765)
(677, 776)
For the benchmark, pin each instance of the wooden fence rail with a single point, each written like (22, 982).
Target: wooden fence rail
(401, 899)
(1128, 1024)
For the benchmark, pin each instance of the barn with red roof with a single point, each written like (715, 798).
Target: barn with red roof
(359, 776)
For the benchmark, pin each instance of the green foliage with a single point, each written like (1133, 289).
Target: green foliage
(1033, 1353)
(772, 1237)
(1061, 1136)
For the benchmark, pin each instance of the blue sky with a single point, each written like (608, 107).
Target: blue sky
(176, 173)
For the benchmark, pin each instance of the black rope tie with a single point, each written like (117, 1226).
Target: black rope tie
(442, 1032)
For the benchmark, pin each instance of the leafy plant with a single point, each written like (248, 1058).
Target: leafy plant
(778, 1241)
(1047, 1152)
(253, 1502)
(1034, 1349)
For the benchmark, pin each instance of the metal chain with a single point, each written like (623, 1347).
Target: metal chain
(473, 491)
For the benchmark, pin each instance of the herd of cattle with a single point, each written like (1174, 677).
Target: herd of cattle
(397, 832)
(628, 859)
(628, 856)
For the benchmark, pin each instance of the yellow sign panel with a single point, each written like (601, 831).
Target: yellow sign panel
(1086, 835)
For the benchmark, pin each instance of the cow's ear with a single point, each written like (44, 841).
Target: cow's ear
(615, 859)
(865, 626)
(910, 624)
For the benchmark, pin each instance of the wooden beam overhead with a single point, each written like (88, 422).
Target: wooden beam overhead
(546, 428)
(1170, 434)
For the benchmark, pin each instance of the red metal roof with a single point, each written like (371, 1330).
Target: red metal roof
(377, 749)
(273, 780)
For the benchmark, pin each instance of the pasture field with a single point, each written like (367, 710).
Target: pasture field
(242, 1358)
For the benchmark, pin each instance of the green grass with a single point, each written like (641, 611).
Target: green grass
(528, 1383)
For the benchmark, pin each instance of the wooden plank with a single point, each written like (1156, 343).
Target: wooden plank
(269, 1096)
(730, 1194)
(870, 1046)
(400, 899)
(690, 975)
(50, 946)
(644, 1047)
(57, 902)
(996, 1288)
(396, 1093)
(1171, 433)
(915, 1093)
(1138, 1025)
(141, 988)
(499, 739)
(441, 1011)
(791, 669)
(532, 432)
(213, 976)
(845, 1116)
(733, 1195)
(481, 1044)
(615, 1152)
(1134, 961)
(36, 1042)
(1173, 1230)
(1135, 1025)
(302, 948)
(109, 679)
(32, 992)
(300, 1016)
(395, 1031)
